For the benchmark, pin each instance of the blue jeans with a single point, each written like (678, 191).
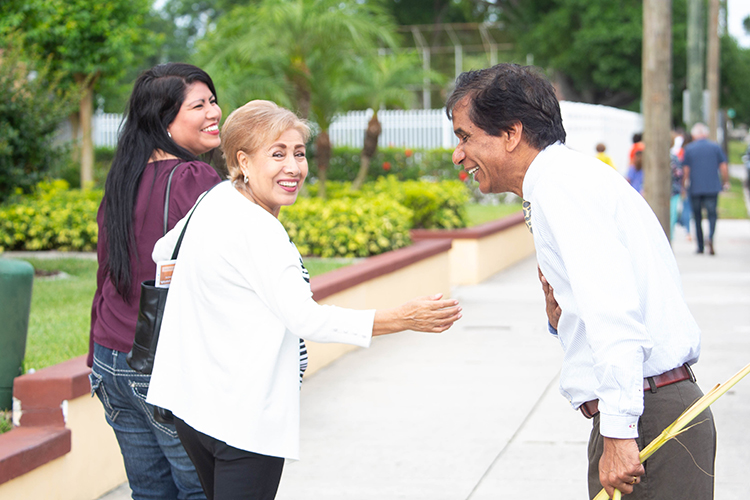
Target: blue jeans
(155, 461)
(674, 208)
(709, 201)
(686, 213)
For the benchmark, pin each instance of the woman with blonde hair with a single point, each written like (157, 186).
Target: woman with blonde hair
(231, 351)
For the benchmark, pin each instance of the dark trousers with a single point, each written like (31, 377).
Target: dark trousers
(699, 201)
(681, 468)
(228, 473)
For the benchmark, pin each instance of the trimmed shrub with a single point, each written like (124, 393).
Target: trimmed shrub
(347, 227)
(434, 205)
(54, 217)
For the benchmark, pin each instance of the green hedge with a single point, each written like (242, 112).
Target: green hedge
(434, 205)
(53, 217)
(347, 227)
(371, 221)
(402, 163)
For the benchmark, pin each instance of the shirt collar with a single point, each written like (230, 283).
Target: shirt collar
(545, 157)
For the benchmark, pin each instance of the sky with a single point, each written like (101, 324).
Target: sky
(737, 10)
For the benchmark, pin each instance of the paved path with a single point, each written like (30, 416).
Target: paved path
(475, 414)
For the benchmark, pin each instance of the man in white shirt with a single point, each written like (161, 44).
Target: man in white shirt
(622, 321)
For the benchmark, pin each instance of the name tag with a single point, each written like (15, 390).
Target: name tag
(164, 271)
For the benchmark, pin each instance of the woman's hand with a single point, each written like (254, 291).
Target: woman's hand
(422, 314)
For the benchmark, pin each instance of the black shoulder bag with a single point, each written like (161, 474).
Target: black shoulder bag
(151, 307)
(150, 311)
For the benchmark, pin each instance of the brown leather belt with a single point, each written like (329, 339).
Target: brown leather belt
(591, 408)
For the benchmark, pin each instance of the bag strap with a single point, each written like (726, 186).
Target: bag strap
(166, 198)
(182, 233)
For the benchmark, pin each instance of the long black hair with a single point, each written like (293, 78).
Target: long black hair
(157, 96)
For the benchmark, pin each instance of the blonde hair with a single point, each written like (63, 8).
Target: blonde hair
(252, 126)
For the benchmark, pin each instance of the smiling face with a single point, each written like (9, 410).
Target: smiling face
(276, 171)
(196, 126)
(498, 163)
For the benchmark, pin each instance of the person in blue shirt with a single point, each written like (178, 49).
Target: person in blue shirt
(703, 165)
(635, 172)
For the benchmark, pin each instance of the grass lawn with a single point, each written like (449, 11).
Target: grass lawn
(60, 312)
(61, 308)
(479, 214)
(735, 151)
(732, 203)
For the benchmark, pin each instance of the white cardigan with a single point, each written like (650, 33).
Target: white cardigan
(228, 355)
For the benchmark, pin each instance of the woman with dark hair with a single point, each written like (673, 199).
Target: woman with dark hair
(172, 118)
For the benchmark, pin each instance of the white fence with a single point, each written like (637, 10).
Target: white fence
(585, 124)
(417, 128)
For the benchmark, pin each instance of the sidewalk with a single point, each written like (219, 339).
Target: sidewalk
(475, 414)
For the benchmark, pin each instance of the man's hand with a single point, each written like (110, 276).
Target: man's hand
(553, 308)
(620, 466)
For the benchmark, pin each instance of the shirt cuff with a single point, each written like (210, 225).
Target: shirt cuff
(618, 426)
(553, 331)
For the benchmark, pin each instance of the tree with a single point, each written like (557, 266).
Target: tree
(293, 52)
(560, 32)
(442, 11)
(735, 75)
(382, 81)
(30, 115)
(86, 40)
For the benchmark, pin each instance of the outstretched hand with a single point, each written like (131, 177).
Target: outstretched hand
(430, 313)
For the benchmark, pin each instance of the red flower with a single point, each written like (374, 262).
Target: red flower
(408, 153)
(386, 165)
(463, 175)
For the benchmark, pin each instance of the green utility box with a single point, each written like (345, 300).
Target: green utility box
(16, 279)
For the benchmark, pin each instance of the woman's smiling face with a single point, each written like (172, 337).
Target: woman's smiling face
(196, 126)
(275, 173)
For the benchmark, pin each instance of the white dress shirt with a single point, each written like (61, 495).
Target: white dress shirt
(228, 357)
(614, 275)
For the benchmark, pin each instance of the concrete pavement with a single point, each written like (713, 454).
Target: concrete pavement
(475, 413)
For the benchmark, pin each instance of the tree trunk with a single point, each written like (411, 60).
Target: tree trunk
(323, 158)
(657, 73)
(368, 150)
(75, 132)
(300, 79)
(87, 144)
(712, 68)
(695, 47)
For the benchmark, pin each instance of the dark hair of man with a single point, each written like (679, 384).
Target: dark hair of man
(506, 94)
(157, 97)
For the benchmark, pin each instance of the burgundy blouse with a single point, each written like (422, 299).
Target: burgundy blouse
(112, 317)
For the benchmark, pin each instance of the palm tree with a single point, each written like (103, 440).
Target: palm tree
(287, 50)
(382, 81)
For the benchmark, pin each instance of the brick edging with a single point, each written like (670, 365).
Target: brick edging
(481, 231)
(41, 393)
(340, 279)
(23, 449)
(42, 435)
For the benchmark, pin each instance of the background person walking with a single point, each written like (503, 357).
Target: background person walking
(703, 163)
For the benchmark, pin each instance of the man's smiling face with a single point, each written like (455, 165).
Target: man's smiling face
(482, 155)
